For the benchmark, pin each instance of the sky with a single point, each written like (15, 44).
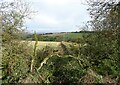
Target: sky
(57, 15)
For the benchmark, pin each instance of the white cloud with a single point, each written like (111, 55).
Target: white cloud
(43, 18)
(54, 2)
(57, 15)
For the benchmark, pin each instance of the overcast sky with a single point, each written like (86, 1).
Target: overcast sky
(57, 15)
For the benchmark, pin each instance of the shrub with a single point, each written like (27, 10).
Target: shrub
(16, 62)
(62, 69)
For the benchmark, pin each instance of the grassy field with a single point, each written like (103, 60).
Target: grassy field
(42, 44)
(73, 35)
(67, 35)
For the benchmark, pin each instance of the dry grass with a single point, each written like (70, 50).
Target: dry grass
(52, 44)
(42, 44)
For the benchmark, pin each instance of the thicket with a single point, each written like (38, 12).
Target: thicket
(103, 48)
(16, 54)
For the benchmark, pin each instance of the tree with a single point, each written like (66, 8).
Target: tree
(103, 47)
(15, 53)
(12, 16)
(100, 13)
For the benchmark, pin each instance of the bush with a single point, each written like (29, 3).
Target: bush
(102, 53)
(16, 61)
(62, 69)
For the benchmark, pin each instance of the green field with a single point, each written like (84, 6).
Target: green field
(58, 37)
(67, 35)
(73, 35)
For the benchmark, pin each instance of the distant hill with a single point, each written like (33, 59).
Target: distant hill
(62, 36)
(54, 34)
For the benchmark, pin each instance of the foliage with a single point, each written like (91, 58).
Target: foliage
(15, 62)
(102, 48)
(12, 19)
(34, 52)
(62, 69)
(94, 53)
(15, 53)
(42, 54)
